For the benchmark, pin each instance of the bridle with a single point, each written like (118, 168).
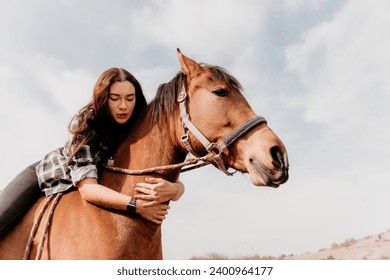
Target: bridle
(214, 150)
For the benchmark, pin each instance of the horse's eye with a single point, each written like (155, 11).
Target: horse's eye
(220, 92)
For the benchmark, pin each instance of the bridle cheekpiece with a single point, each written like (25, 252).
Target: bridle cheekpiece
(215, 150)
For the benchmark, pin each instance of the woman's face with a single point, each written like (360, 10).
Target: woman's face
(121, 101)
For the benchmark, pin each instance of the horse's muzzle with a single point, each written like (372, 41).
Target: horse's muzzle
(272, 174)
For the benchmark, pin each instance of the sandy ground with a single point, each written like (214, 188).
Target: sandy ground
(376, 247)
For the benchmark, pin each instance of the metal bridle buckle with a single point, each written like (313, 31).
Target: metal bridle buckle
(214, 148)
(182, 96)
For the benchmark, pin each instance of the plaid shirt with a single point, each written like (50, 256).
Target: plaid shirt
(55, 175)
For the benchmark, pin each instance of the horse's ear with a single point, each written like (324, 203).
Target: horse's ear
(188, 66)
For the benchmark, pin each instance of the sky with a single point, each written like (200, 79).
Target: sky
(316, 70)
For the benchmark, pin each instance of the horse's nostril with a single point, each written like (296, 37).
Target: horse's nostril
(277, 156)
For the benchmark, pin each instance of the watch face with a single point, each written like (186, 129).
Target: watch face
(131, 206)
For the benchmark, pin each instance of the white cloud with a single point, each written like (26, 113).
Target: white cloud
(343, 68)
(343, 65)
(208, 28)
(295, 5)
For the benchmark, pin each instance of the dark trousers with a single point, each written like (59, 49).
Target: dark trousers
(17, 197)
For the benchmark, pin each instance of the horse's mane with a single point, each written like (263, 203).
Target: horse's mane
(164, 103)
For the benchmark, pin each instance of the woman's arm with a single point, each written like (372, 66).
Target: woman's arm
(158, 190)
(105, 197)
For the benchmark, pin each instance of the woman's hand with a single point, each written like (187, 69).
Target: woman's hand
(100, 195)
(158, 190)
(155, 213)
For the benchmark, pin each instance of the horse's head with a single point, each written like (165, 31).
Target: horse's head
(212, 105)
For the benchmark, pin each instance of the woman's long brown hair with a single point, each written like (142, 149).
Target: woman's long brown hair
(94, 122)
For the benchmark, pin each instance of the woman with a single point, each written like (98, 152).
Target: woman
(94, 134)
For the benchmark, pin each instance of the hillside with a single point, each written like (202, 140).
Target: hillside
(375, 247)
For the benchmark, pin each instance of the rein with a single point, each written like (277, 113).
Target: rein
(53, 199)
(214, 149)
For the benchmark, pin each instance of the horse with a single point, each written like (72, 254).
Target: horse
(201, 111)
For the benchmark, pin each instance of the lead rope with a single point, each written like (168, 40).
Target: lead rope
(35, 227)
(195, 162)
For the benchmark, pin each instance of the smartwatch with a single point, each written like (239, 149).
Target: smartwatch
(131, 206)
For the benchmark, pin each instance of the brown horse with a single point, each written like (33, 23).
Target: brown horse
(201, 106)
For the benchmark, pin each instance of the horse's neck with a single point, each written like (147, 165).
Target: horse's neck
(148, 146)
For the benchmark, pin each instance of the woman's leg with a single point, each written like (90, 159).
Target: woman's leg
(17, 197)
